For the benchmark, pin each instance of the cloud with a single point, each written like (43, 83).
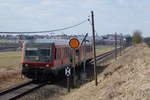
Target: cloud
(110, 15)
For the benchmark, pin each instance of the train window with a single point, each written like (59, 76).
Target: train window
(55, 53)
(31, 53)
(44, 52)
(69, 52)
(59, 53)
(88, 49)
(91, 48)
(66, 52)
(77, 52)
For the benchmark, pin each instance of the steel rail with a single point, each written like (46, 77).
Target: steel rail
(27, 91)
(106, 54)
(20, 90)
(15, 87)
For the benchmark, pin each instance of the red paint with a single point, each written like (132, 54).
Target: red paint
(39, 63)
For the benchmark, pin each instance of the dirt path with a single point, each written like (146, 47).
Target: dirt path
(124, 79)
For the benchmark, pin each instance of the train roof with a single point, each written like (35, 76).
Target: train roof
(47, 41)
(55, 41)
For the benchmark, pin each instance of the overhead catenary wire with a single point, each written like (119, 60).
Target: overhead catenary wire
(54, 30)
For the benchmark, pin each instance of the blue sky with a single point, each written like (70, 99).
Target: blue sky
(122, 16)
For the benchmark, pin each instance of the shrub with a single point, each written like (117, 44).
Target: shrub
(137, 37)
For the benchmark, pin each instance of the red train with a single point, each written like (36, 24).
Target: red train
(42, 59)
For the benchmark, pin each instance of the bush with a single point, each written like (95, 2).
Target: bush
(137, 37)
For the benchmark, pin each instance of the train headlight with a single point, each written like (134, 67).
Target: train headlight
(26, 65)
(47, 65)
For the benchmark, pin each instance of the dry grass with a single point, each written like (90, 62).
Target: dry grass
(124, 79)
(9, 68)
(10, 59)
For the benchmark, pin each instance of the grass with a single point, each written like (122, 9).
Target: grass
(3, 41)
(10, 59)
(101, 49)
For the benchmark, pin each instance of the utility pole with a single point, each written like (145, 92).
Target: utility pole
(115, 45)
(120, 43)
(94, 50)
(74, 70)
(124, 42)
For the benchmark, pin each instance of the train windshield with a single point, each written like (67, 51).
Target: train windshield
(31, 51)
(38, 53)
(44, 52)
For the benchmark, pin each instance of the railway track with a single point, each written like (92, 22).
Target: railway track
(20, 90)
(105, 55)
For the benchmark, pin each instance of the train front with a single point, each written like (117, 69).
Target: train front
(37, 59)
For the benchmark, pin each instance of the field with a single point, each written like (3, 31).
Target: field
(6, 41)
(9, 68)
(10, 59)
(101, 49)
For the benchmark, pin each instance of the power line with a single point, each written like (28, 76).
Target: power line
(69, 27)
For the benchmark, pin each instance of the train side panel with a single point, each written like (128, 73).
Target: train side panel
(62, 56)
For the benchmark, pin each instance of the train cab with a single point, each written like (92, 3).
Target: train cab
(38, 55)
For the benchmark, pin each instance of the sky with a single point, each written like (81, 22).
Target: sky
(122, 16)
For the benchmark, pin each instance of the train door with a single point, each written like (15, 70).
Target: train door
(56, 57)
(61, 55)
